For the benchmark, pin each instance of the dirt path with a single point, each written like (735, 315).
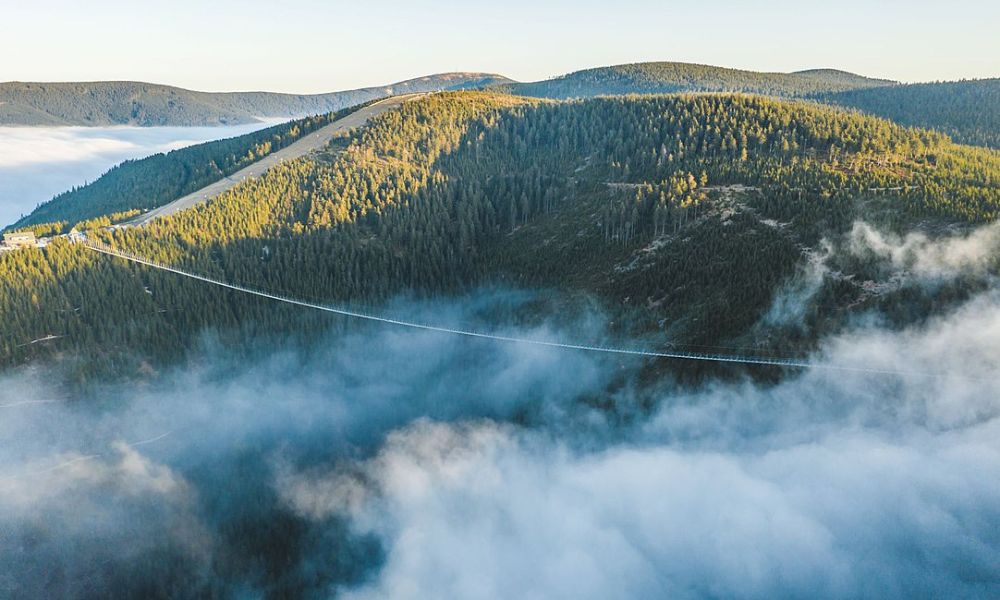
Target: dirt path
(314, 141)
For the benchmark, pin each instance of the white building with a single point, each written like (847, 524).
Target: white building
(20, 239)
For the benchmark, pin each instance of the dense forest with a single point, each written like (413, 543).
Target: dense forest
(968, 111)
(670, 77)
(681, 214)
(148, 104)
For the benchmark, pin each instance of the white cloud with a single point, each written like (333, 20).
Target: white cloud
(482, 471)
(489, 512)
(831, 484)
(36, 163)
(933, 258)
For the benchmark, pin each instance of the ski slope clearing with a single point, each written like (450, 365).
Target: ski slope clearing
(310, 143)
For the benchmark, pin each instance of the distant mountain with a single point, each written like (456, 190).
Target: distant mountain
(145, 104)
(969, 111)
(669, 77)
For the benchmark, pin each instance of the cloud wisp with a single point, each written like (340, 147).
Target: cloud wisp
(973, 252)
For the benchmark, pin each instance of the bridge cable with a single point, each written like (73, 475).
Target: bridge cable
(680, 355)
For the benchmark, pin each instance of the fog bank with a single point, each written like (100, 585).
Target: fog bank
(36, 163)
(830, 484)
(410, 464)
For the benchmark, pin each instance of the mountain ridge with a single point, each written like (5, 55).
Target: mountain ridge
(110, 103)
(967, 110)
(671, 77)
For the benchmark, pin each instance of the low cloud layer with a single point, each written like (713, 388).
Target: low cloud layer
(136, 489)
(36, 163)
(405, 464)
(831, 484)
(484, 511)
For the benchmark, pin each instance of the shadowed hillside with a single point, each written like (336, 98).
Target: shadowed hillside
(969, 111)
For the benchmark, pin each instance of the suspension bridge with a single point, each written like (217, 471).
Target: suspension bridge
(669, 354)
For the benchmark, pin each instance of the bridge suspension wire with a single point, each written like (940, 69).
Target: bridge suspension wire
(680, 355)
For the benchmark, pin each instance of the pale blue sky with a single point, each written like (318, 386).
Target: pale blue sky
(315, 46)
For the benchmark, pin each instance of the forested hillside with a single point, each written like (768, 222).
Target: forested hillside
(668, 77)
(969, 111)
(682, 215)
(147, 104)
(142, 184)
